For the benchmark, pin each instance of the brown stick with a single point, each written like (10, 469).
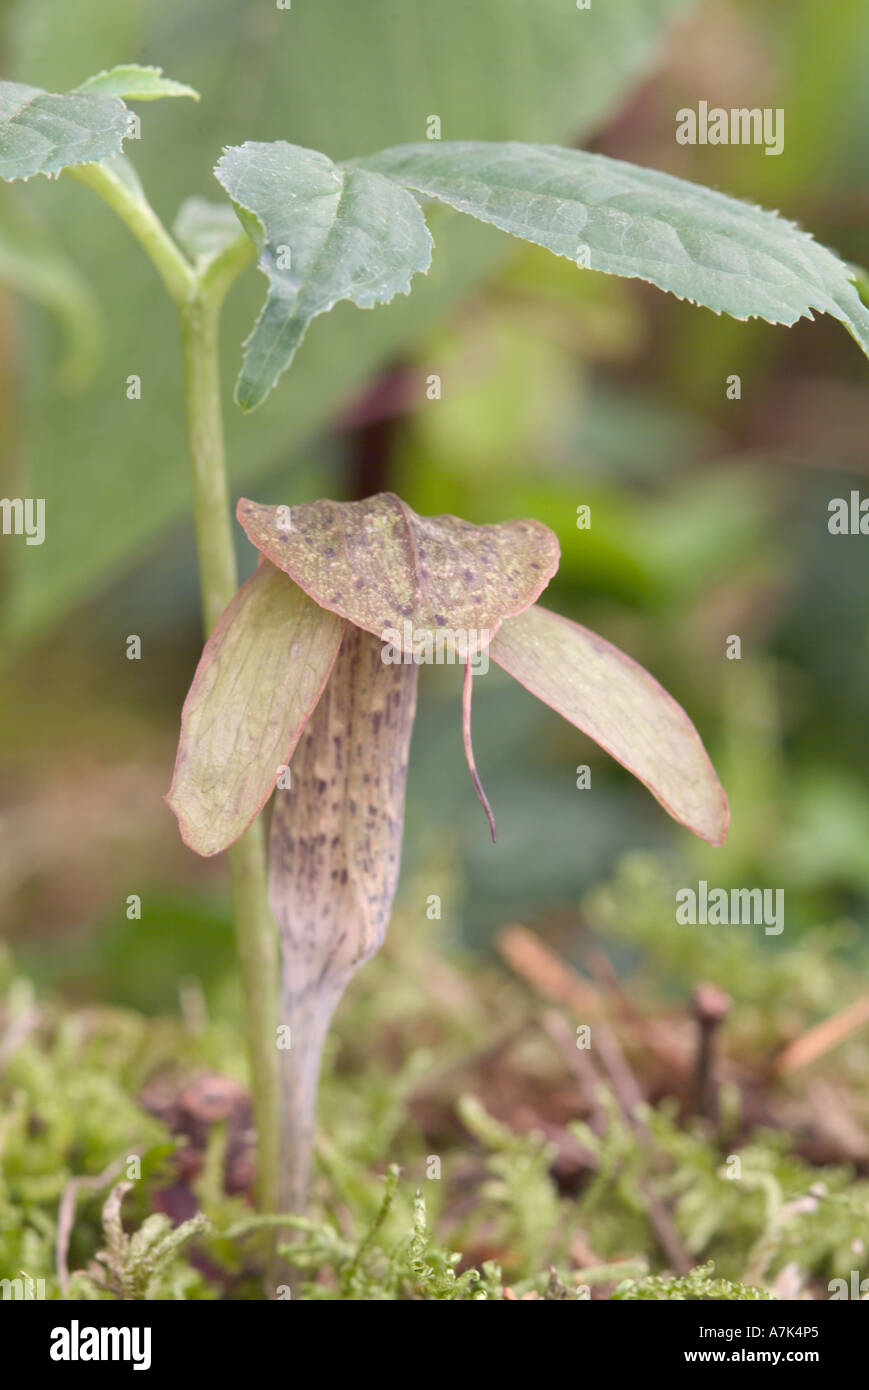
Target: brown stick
(546, 971)
(823, 1037)
(66, 1215)
(711, 1007)
(577, 1060)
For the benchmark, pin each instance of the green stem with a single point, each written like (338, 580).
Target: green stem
(257, 952)
(126, 198)
(198, 295)
(255, 930)
(217, 570)
(219, 274)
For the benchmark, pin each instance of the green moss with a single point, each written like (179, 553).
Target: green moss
(426, 1186)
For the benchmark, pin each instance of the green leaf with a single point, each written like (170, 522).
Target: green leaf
(624, 220)
(323, 234)
(41, 133)
(619, 705)
(380, 565)
(493, 70)
(261, 674)
(136, 84)
(203, 229)
(44, 132)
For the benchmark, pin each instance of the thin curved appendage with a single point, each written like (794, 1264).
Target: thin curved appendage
(467, 692)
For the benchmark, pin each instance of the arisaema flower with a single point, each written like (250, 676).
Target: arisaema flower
(316, 661)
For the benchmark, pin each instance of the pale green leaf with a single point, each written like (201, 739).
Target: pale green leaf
(42, 133)
(261, 673)
(385, 568)
(619, 705)
(127, 175)
(323, 234)
(136, 83)
(624, 220)
(203, 229)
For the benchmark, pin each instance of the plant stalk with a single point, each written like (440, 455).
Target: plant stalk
(126, 198)
(309, 1017)
(198, 294)
(255, 930)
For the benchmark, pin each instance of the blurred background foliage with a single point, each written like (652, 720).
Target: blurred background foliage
(559, 389)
